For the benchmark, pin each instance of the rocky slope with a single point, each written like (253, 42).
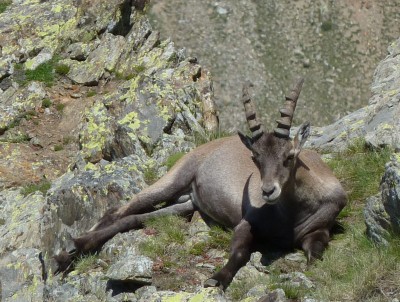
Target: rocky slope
(92, 106)
(336, 45)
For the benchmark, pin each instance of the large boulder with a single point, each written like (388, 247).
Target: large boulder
(382, 212)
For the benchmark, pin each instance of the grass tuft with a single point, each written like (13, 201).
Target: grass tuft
(85, 263)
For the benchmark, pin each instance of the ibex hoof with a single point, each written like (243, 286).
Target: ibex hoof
(213, 283)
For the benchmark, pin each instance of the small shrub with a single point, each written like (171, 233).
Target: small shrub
(58, 148)
(46, 103)
(62, 69)
(42, 186)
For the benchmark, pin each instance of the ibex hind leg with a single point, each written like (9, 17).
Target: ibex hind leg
(167, 189)
(93, 241)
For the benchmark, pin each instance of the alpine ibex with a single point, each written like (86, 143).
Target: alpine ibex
(265, 187)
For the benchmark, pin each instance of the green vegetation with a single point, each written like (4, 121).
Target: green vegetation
(46, 103)
(42, 186)
(4, 4)
(58, 148)
(239, 288)
(60, 107)
(16, 139)
(91, 93)
(353, 268)
(170, 233)
(200, 138)
(43, 73)
(219, 239)
(150, 175)
(85, 263)
(173, 158)
(327, 26)
(360, 170)
(62, 69)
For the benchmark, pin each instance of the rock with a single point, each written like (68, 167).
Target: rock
(277, 295)
(378, 123)
(296, 279)
(44, 56)
(132, 268)
(382, 212)
(376, 220)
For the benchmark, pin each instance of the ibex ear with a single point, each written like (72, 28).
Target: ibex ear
(246, 140)
(301, 137)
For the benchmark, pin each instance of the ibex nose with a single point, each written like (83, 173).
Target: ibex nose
(270, 193)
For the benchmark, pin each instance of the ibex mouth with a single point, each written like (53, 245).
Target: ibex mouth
(271, 196)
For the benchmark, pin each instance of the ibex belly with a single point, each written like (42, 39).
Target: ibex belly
(224, 182)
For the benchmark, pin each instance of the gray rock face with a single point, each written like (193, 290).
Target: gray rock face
(382, 212)
(379, 122)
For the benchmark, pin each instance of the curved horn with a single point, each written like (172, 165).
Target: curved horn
(285, 122)
(254, 123)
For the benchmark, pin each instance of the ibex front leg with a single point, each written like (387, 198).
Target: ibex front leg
(242, 243)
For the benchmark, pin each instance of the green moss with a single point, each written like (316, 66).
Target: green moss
(4, 4)
(42, 186)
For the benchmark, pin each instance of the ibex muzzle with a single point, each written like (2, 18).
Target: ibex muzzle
(264, 186)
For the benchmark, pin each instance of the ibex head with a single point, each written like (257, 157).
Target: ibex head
(274, 153)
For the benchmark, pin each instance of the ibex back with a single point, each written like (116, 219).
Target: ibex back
(264, 186)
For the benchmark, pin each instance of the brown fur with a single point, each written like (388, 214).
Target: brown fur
(266, 188)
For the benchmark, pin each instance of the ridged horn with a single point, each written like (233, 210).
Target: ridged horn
(285, 122)
(255, 125)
